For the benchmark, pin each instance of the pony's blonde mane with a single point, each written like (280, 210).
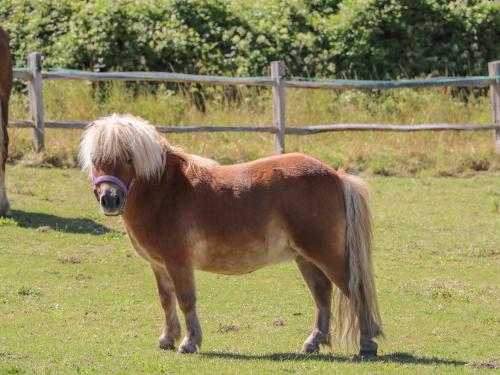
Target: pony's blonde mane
(118, 138)
(195, 162)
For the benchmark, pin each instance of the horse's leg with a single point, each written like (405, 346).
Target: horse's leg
(4, 201)
(367, 347)
(335, 268)
(4, 146)
(182, 276)
(321, 289)
(172, 330)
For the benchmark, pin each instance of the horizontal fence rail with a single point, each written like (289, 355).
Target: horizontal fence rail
(344, 84)
(314, 129)
(341, 84)
(160, 128)
(35, 76)
(158, 76)
(23, 75)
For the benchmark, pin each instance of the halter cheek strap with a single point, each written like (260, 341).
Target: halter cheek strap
(115, 180)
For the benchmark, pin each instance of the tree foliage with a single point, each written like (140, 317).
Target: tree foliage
(333, 38)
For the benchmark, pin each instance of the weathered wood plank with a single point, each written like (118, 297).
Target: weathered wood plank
(158, 76)
(64, 124)
(35, 91)
(259, 81)
(60, 124)
(23, 75)
(216, 129)
(388, 127)
(494, 70)
(348, 84)
(277, 73)
(20, 123)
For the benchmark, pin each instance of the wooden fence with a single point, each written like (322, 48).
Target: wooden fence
(35, 77)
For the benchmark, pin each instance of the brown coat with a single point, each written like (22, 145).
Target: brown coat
(5, 89)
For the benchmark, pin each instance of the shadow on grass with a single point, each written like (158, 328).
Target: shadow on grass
(402, 358)
(57, 223)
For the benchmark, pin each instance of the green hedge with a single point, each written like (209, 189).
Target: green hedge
(350, 38)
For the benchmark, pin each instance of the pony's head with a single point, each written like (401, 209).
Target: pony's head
(116, 150)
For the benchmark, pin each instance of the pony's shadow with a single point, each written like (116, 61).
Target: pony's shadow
(402, 358)
(61, 224)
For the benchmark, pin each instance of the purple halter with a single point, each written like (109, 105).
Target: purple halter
(115, 180)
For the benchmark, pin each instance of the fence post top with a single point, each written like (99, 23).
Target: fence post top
(35, 60)
(277, 68)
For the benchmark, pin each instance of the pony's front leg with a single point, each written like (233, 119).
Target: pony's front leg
(4, 201)
(172, 330)
(182, 276)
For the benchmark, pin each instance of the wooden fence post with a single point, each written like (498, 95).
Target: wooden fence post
(278, 72)
(494, 70)
(35, 89)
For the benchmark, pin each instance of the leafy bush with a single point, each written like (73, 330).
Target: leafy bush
(387, 38)
(349, 38)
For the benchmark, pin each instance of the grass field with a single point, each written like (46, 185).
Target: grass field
(76, 298)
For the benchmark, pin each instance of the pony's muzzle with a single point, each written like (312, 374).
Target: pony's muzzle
(112, 201)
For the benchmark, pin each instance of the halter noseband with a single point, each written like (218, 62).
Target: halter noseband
(115, 180)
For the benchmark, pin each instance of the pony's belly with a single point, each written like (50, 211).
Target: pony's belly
(244, 257)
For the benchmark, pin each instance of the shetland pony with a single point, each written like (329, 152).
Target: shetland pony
(183, 212)
(5, 89)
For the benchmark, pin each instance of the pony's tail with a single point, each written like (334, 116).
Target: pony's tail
(361, 303)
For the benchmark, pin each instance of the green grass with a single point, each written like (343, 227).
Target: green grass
(76, 299)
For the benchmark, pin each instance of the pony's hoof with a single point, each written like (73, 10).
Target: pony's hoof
(5, 211)
(166, 344)
(167, 340)
(310, 348)
(187, 346)
(368, 353)
(5, 207)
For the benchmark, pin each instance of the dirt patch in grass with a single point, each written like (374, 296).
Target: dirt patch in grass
(490, 364)
(69, 260)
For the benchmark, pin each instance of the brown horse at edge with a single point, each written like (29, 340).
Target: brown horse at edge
(183, 212)
(5, 89)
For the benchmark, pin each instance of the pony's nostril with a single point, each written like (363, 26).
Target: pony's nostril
(110, 200)
(105, 200)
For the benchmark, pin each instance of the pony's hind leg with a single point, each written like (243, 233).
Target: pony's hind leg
(172, 329)
(321, 290)
(337, 271)
(367, 346)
